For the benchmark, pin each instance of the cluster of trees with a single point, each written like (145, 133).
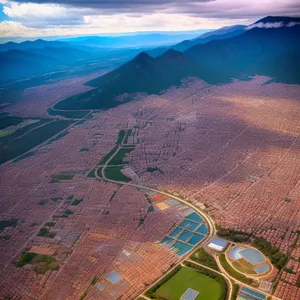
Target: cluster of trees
(25, 259)
(46, 233)
(204, 258)
(151, 292)
(234, 235)
(42, 263)
(219, 278)
(8, 223)
(277, 258)
(235, 291)
(232, 272)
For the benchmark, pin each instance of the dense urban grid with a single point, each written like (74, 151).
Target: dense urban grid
(231, 150)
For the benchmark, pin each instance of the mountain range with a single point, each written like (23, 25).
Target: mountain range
(219, 34)
(262, 48)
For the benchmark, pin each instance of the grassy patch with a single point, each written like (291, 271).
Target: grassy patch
(28, 154)
(25, 259)
(151, 170)
(107, 156)
(121, 136)
(114, 173)
(56, 200)
(243, 269)
(235, 291)
(174, 288)
(204, 258)
(76, 202)
(15, 144)
(44, 232)
(151, 292)
(83, 295)
(8, 223)
(120, 155)
(61, 177)
(91, 174)
(50, 224)
(112, 196)
(128, 134)
(68, 212)
(232, 272)
(6, 120)
(59, 136)
(43, 202)
(99, 172)
(42, 263)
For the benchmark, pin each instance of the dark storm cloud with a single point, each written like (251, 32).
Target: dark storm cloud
(119, 4)
(203, 8)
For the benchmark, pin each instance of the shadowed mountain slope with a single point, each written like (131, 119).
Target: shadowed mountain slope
(273, 52)
(143, 74)
(258, 51)
(219, 34)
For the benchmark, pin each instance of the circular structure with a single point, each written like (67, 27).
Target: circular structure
(248, 261)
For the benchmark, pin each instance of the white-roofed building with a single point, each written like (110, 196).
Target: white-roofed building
(217, 244)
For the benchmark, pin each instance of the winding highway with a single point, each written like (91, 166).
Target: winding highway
(209, 222)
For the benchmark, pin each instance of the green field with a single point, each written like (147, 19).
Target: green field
(232, 272)
(7, 120)
(24, 139)
(61, 177)
(114, 173)
(120, 155)
(204, 258)
(173, 289)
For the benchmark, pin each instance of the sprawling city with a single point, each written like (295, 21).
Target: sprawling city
(153, 164)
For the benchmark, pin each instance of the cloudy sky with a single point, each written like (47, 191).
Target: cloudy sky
(36, 18)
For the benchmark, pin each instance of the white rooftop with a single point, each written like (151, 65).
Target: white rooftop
(217, 244)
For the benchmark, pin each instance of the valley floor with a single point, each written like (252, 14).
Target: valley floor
(231, 150)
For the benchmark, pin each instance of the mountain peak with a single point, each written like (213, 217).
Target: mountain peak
(172, 53)
(275, 22)
(143, 57)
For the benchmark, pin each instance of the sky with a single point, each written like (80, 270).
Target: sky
(40, 18)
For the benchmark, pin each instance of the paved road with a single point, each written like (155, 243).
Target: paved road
(209, 221)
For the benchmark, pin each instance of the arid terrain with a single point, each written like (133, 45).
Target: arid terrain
(230, 149)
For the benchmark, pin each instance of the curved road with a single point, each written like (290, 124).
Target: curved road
(209, 221)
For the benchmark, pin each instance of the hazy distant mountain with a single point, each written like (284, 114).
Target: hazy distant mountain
(37, 44)
(129, 41)
(274, 52)
(16, 64)
(64, 55)
(222, 33)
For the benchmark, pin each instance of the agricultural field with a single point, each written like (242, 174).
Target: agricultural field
(28, 137)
